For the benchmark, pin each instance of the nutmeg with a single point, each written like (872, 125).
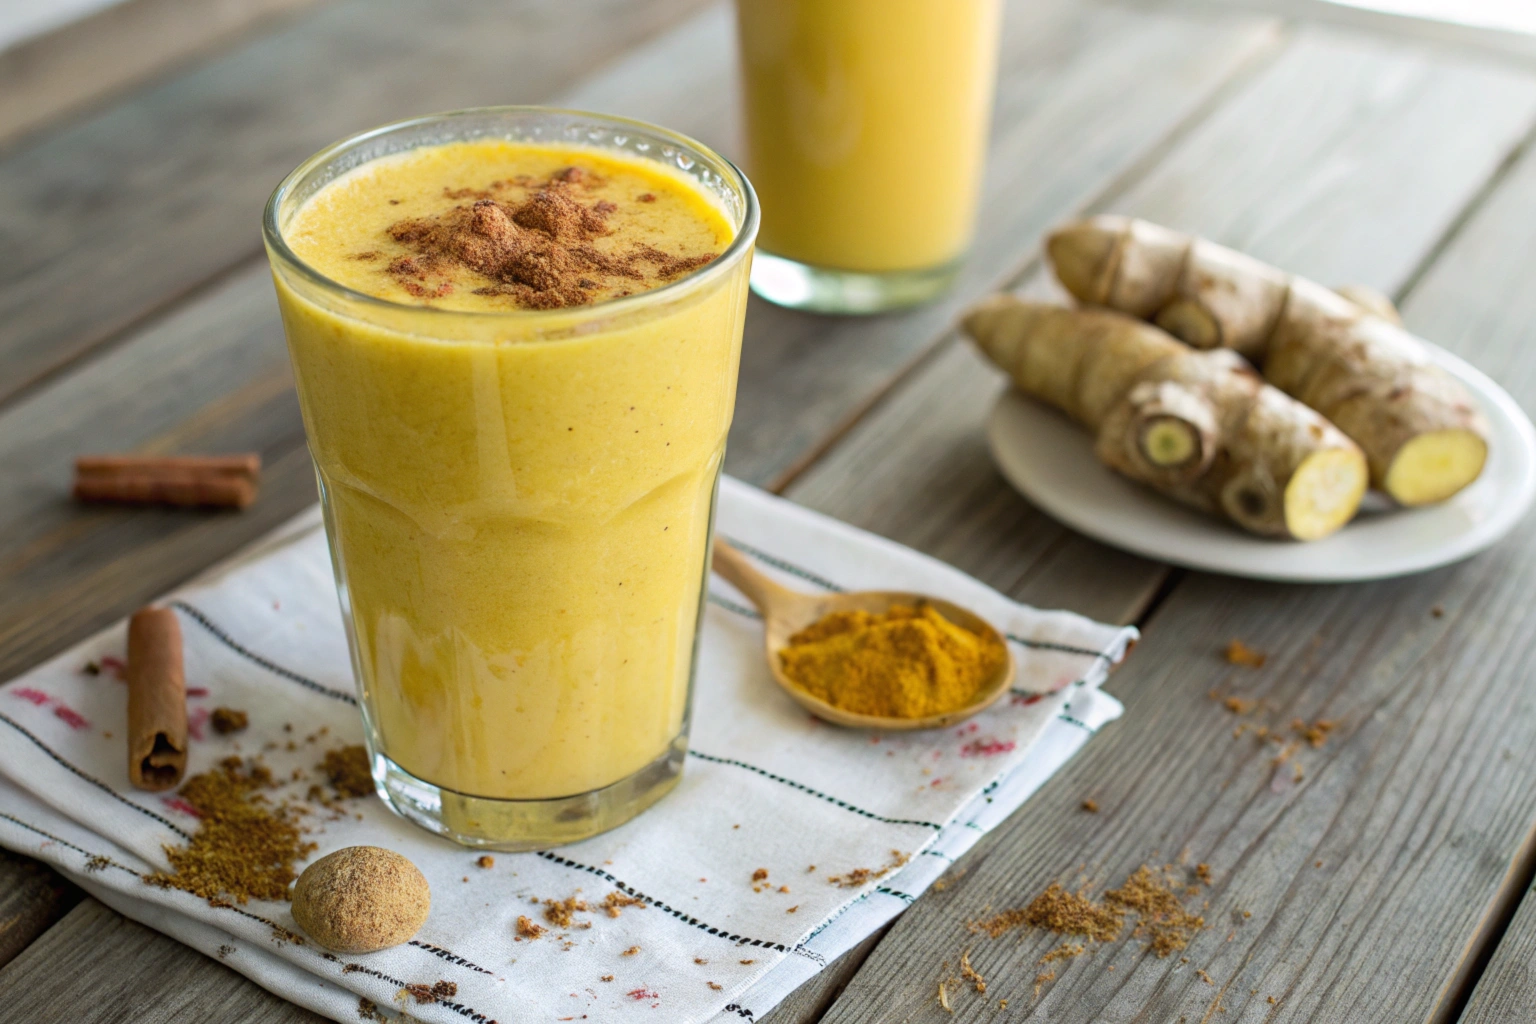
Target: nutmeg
(361, 899)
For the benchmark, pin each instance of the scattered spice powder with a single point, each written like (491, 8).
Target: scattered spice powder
(527, 928)
(228, 720)
(562, 913)
(437, 991)
(908, 662)
(1203, 872)
(1063, 952)
(1040, 981)
(862, 876)
(1164, 922)
(348, 772)
(615, 902)
(713, 985)
(631, 951)
(486, 861)
(970, 974)
(606, 977)
(1239, 706)
(1239, 653)
(1091, 806)
(245, 847)
(1315, 734)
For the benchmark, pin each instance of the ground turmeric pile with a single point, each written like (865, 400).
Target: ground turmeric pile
(909, 662)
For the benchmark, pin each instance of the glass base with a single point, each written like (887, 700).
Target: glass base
(515, 825)
(826, 290)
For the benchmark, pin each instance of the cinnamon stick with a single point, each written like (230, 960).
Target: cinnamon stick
(226, 481)
(157, 700)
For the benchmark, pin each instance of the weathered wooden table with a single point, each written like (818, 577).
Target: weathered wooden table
(1387, 883)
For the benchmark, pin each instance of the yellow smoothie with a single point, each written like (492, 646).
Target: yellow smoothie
(518, 483)
(867, 124)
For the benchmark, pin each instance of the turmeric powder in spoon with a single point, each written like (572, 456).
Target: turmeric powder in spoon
(907, 662)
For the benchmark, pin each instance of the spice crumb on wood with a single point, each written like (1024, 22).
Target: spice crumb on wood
(1239, 653)
(1161, 919)
(970, 974)
(1315, 734)
(1091, 806)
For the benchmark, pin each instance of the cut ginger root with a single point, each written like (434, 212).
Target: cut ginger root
(1200, 427)
(1344, 354)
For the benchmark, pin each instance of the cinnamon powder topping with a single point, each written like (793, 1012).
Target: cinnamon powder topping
(537, 251)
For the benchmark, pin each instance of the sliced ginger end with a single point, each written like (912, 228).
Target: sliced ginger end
(1169, 442)
(1325, 492)
(1436, 465)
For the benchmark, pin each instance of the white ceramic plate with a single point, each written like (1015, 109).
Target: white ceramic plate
(1050, 460)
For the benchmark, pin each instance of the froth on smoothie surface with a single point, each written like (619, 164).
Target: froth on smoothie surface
(494, 224)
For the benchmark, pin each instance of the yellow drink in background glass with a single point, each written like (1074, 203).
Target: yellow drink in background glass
(518, 501)
(866, 131)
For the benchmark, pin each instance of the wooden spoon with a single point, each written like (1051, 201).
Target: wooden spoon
(786, 612)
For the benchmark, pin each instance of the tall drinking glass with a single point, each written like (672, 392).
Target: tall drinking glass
(866, 130)
(519, 502)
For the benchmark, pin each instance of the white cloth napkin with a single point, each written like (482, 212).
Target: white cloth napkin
(765, 786)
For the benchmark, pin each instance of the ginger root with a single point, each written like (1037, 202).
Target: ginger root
(1342, 353)
(1200, 427)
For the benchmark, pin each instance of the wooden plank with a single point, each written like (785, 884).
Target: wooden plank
(1367, 880)
(1490, 263)
(1506, 991)
(808, 1002)
(1479, 41)
(1330, 135)
(135, 974)
(109, 220)
(32, 898)
(1368, 886)
(44, 78)
(199, 383)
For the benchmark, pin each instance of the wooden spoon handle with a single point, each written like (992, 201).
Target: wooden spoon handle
(736, 569)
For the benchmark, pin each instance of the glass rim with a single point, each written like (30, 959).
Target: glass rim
(720, 266)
